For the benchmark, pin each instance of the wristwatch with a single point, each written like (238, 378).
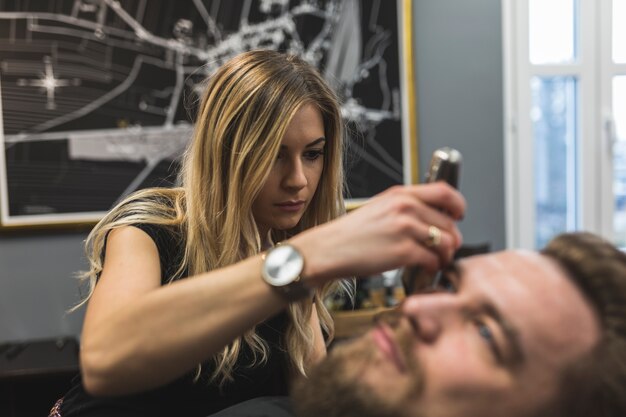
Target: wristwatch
(282, 269)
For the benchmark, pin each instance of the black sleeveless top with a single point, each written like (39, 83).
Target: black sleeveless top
(184, 397)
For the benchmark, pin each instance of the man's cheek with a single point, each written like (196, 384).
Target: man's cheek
(435, 368)
(353, 358)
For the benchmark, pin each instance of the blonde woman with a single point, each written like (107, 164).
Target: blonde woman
(192, 307)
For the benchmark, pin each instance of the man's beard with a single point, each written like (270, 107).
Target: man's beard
(334, 387)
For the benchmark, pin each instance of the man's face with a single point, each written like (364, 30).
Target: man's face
(492, 342)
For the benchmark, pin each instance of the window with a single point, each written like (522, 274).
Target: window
(565, 88)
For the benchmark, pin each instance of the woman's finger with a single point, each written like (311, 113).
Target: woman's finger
(440, 242)
(442, 196)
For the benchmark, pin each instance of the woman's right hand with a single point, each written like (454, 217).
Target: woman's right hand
(388, 232)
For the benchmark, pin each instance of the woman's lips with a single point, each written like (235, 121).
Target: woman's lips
(291, 206)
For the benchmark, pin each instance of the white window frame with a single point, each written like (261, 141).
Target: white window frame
(594, 71)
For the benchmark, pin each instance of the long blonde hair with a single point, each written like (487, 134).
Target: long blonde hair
(242, 118)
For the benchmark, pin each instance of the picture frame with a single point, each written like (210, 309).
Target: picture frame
(96, 98)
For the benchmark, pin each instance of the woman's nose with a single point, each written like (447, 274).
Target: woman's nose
(432, 313)
(295, 176)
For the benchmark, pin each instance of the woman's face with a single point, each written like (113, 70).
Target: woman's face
(295, 174)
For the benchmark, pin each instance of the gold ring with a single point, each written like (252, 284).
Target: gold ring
(434, 237)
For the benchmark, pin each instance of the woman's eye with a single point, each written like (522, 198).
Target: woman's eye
(443, 283)
(313, 155)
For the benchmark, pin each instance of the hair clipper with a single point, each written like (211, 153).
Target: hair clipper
(445, 165)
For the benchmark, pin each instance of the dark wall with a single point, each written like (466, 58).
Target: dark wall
(459, 81)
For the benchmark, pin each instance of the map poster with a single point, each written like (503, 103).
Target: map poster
(97, 96)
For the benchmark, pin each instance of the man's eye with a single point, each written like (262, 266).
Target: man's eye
(487, 335)
(485, 332)
(443, 283)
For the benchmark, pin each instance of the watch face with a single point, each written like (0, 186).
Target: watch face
(283, 265)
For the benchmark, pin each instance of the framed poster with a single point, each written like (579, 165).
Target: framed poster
(95, 94)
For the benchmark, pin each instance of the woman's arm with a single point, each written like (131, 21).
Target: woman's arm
(138, 334)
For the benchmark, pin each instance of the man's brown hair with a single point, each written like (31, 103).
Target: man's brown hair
(596, 384)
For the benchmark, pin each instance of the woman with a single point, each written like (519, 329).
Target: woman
(182, 274)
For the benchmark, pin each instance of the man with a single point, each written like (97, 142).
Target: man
(508, 334)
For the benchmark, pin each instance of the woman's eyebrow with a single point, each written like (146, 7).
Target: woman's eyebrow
(313, 143)
(316, 141)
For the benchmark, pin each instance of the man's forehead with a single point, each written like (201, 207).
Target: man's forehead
(516, 264)
(526, 278)
(508, 256)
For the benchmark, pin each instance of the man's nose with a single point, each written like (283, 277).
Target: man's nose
(432, 313)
